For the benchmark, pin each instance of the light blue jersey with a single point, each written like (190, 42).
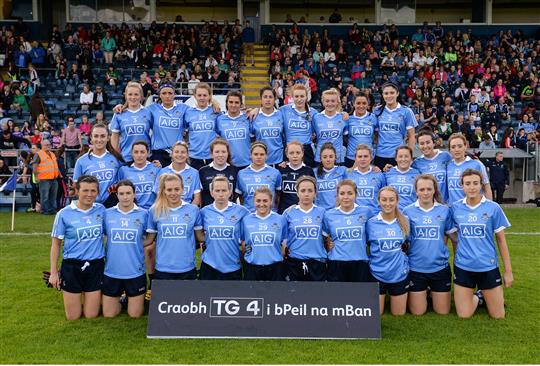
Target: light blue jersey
(269, 129)
(144, 180)
(403, 182)
(222, 229)
(175, 242)
(327, 186)
(250, 179)
(368, 185)
(393, 126)
(125, 251)
(104, 168)
(190, 177)
(82, 231)
(298, 125)
(435, 166)
(304, 234)
(236, 130)
(348, 233)
(453, 177)
(428, 252)
(132, 126)
(360, 131)
(168, 125)
(263, 237)
(201, 126)
(330, 129)
(476, 226)
(387, 262)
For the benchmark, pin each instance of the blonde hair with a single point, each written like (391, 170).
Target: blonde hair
(161, 206)
(306, 178)
(133, 84)
(437, 193)
(401, 219)
(205, 86)
(264, 190)
(332, 91)
(343, 183)
(220, 178)
(457, 135)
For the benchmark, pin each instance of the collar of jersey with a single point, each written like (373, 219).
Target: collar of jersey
(182, 204)
(369, 170)
(350, 212)
(399, 171)
(260, 170)
(482, 200)
(268, 115)
(437, 152)
(308, 211)
(297, 111)
(331, 170)
(300, 167)
(417, 204)
(223, 210)
(231, 117)
(98, 156)
(361, 117)
(135, 208)
(327, 116)
(178, 171)
(265, 217)
(201, 110)
(380, 218)
(73, 205)
(467, 158)
(135, 111)
(211, 165)
(143, 168)
(392, 110)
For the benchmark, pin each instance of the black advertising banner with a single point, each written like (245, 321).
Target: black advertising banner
(245, 309)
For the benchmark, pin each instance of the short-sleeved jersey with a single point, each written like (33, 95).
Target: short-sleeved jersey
(327, 186)
(175, 242)
(104, 168)
(476, 226)
(82, 231)
(222, 230)
(263, 237)
(207, 174)
(360, 131)
(190, 178)
(289, 176)
(144, 180)
(368, 185)
(201, 126)
(132, 126)
(387, 262)
(435, 166)
(269, 129)
(428, 252)
(236, 130)
(348, 233)
(393, 126)
(168, 125)
(453, 177)
(403, 182)
(124, 249)
(298, 125)
(330, 129)
(304, 234)
(250, 179)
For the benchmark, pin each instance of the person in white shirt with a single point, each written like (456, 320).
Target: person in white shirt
(86, 98)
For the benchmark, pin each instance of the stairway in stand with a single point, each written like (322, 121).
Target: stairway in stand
(253, 78)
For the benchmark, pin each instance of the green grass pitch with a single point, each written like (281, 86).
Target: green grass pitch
(33, 328)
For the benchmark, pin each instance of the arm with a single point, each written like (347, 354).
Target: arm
(149, 240)
(487, 191)
(197, 199)
(505, 255)
(115, 141)
(63, 138)
(54, 279)
(453, 238)
(411, 142)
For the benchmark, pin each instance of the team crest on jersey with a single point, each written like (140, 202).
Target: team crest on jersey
(188, 180)
(187, 217)
(439, 218)
(234, 218)
(485, 217)
(99, 218)
(361, 218)
(373, 181)
(318, 219)
(177, 112)
(137, 223)
(231, 178)
(275, 226)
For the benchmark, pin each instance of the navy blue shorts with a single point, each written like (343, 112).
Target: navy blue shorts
(483, 280)
(349, 271)
(394, 289)
(270, 272)
(440, 281)
(81, 276)
(189, 275)
(305, 270)
(114, 287)
(207, 272)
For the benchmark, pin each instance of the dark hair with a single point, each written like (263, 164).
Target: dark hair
(108, 147)
(140, 142)
(267, 88)
(383, 102)
(326, 146)
(426, 132)
(90, 179)
(126, 182)
(232, 93)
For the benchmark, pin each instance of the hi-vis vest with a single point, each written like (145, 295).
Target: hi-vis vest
(47, 168)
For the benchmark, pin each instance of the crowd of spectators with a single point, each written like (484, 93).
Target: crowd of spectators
(485, 87)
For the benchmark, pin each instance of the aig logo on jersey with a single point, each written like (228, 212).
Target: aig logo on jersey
(174, 231)
(298, 124)
(325, 186)
(365, 192)
(135, 130)
(405, 189)
(389, 127)
(144, 187)
(167, 122)
(203, 126)
(389, 244)
(426, 233)
(262, 238)
(104, 175)
(361, 131)
(348, 233)
(473, 231)
(89, 232)
(236, 134)
(329, 134)
(123, 236)
(270, 132)
(307, 231)
(220, 232)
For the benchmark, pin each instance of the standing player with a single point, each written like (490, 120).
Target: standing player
(360, 129)
(173, 224)
(402, 176)
(328, 176)
(387, 235)
(264, 234)
(476, 263)
(368, 181)
(256, 175)
(190, 177)
(125, 226)
(80, 226)
(234, 127)
(294, 169)
(221, 221)
(142, 173)
(133, 124)
(267, 127)
(460, 162)
(433, 161)
(329, 125)
(200, 123)
(306, 255)
(220, 166)
(102, 162)
(428, 254)
(345, 230)
(395, 123)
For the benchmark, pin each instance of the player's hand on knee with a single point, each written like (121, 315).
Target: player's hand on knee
(508, 278)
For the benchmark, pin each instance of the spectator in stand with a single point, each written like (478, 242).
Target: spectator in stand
(487, 143)
(61, 74)
(508, 141)
(37, 106)
(100, 99)
(86, 98)
(72, 142)
(521, 139)
(108, 46)
(86, 75)
(527, 123)
(335, 17)
(248, 40)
